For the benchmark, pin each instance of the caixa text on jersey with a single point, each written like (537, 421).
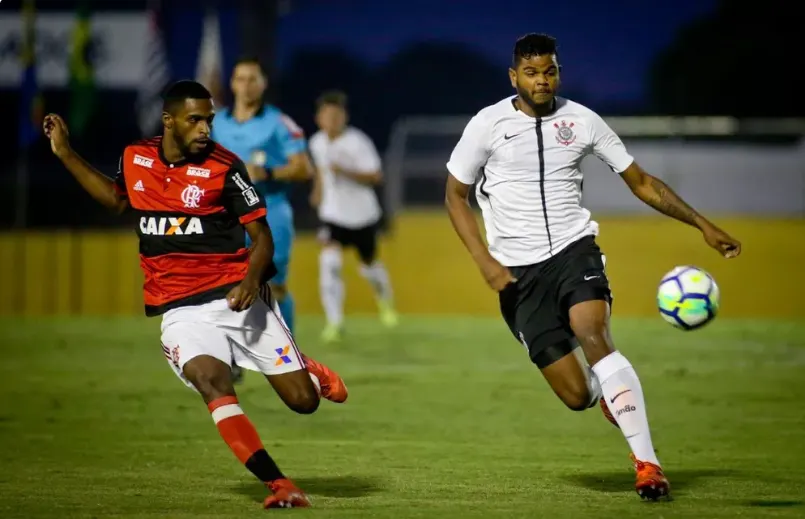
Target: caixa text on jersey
(168, 226)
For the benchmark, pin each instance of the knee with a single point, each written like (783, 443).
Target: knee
(304, 402)
(576, 398)
(589, 325)
(594, 338)
(213, 385)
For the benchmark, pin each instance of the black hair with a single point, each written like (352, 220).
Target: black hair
(533, 45)
(250, 60)
(334, 98)
(176, 94)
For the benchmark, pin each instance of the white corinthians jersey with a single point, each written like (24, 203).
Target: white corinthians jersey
(344, 202)
(528, 177)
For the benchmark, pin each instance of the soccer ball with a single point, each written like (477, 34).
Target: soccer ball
(688, 297)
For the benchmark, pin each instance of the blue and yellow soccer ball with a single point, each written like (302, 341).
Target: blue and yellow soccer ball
(688, 297)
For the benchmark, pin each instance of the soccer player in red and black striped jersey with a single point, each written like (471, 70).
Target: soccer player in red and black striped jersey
(193, 198)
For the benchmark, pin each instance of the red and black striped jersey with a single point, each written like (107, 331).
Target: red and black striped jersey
(190, 225)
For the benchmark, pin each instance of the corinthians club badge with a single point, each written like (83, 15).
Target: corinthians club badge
(564, 133)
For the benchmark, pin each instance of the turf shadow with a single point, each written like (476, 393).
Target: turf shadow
(622, 481)
(332, 486)
(774, 503)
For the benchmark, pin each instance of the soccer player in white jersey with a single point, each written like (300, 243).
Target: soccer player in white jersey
(523, 154)
(348, 169)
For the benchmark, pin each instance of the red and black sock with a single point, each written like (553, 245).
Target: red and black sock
(241, 436)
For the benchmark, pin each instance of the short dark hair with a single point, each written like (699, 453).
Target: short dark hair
(178, 92)
(250, 60)
(533, 45)
(333, 98)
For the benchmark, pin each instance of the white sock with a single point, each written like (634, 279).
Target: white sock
(624, 397)
(331, 286)
(377, 275)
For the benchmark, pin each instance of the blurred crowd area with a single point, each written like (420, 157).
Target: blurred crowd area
(99, 62)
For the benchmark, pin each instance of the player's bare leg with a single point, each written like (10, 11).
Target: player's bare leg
(572, 381)
(212, 378)
(331, 290)
(297, 390)
(622, 390)
(300, 390)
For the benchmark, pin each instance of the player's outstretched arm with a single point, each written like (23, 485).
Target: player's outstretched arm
(656, 193)
(98, 185)
(298, 169)
(466, 226)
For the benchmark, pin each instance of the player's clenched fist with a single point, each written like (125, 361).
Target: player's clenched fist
(725, 244)
(56, 130)
(497, 276)
(242, 296)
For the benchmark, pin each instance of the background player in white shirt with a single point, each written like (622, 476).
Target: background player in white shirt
(348, 169)
(524, 153)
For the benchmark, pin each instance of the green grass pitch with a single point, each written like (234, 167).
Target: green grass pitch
(446, 419)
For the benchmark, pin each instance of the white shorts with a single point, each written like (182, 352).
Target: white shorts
(256, 339)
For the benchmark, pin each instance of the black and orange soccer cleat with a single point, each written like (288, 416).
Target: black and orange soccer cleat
(608, 413)
(651, 482)
(285, 495)
(332, 385)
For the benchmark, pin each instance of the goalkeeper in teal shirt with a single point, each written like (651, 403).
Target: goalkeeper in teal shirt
(275, 152)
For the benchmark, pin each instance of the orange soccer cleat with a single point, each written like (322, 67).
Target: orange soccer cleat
(285, 495)
(607, 413)
(332, 385)
(651, 482)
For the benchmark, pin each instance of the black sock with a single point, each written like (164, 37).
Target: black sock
(262, 465)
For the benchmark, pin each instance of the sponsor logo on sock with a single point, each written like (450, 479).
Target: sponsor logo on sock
(612, 401)
(627, 409)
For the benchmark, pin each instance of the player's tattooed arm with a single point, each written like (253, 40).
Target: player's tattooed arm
(98, 185)
(658, 195)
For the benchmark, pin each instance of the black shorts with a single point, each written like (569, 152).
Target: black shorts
(363, 239)
(536, 307)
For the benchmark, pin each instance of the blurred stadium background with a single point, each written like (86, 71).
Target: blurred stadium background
(704, 93)
(676, 88)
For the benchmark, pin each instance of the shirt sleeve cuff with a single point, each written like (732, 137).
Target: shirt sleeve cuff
(254, 215)
(453, 170)
(623, 164)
